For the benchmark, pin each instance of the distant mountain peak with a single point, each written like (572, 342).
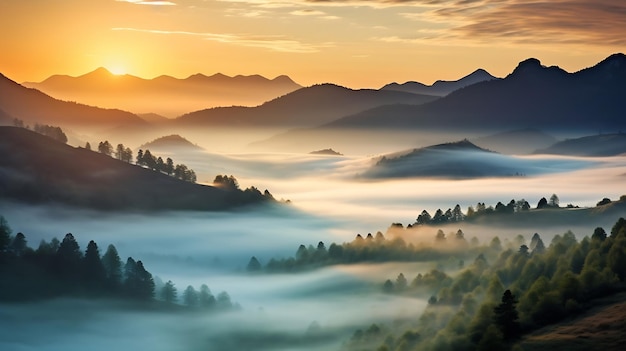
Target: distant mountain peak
(98, 72)
(458, 145)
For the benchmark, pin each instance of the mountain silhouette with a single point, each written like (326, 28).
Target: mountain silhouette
(165, 95)
(441, 87)
(35, 169)
(594, 145)
(33, 106)
(533, 95)
(309, 106)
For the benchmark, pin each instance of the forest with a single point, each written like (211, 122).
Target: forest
(60, 269)
(504, 294)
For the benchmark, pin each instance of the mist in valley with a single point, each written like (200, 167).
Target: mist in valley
(316, 309)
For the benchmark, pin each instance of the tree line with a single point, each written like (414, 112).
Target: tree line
(59, 268)
(53, 132)
(453, 215)
(148, 160)
(492, 302)
(373, 248)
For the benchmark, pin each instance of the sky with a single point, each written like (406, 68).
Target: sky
(355, 43)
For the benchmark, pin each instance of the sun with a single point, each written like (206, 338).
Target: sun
(117, 69)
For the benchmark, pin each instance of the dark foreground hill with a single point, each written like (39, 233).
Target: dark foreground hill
(35, 169)
(594, 145)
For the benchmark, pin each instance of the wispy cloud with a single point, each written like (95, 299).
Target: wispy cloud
(275, 43)
(476, 22)
(148, 2)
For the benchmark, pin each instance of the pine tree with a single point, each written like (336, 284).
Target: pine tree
(5, 234)
(506, 316)
(168, 292)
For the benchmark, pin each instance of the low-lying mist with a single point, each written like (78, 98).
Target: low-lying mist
(305, 311)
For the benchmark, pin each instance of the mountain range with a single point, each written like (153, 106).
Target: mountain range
(35, 169)
(441, 87)
(309, 106)
(164, 95)
(33, 106)
(532, 96)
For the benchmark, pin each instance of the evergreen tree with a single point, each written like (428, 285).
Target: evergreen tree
(191, 297)
(94, 274)
(206, 299)
(140, 161)
(254, 265)
(113, 267)
(506, 316)
(19, 244)
(554, 201)
(5, 234)
(87, 146)
(169, 166)
(423, 218)
(169, 292)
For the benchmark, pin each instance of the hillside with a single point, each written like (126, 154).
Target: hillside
(441, 87)
(165, 95)
(594, 145)
(516, 142)
(602, 327)
(33, 106)
(170, 142)
(38, 170)
(460, 160)
(310, 106)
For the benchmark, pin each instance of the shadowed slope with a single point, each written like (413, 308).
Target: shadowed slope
(33, 106)
(38, 170)
(310, 106)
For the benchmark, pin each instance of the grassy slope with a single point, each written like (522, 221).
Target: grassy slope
(602, 327)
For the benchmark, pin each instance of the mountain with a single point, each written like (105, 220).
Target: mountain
(441, 87)
(594, 145)
(516, 142)
(326, 152)
(310, 106)
(33, 106)
(533, 95)
(35, 169)
(170, 142)
(165, 95)
(153, 118)
(460, 160)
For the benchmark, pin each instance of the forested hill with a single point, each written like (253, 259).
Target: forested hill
(35, 169)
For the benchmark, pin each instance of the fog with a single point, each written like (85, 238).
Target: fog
(311, 310)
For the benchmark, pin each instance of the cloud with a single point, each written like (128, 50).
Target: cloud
(274, 43)
(478, 22)
(149, 2)
(308, 12)
(314, 13)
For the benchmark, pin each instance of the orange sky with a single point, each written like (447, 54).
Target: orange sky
(357, 43)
